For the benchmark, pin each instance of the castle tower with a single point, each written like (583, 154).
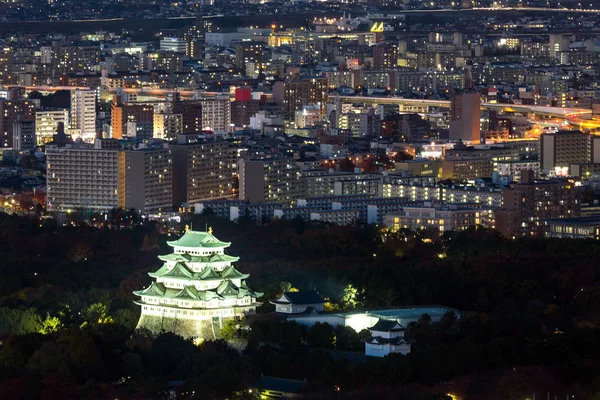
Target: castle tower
(196, 289)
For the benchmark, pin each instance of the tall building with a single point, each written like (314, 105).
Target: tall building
(241, 111)
(385, 56)
(11, 111)
(526, 205)
(23, 135)
(46, 123)
(167, 126)
(304, 92)
(248, 52)
(83, 114)
(85, 176)
(132, 120)
(216, 113)
(196, 289)
(191, 116)
(202, 170)
(559, 150)
(269, 180)
(559, 42)
(149, 179)
(465, 113)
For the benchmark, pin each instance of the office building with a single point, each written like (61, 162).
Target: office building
(83, 114)
(175, 44)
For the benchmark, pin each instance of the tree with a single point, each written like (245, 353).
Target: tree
(230, 329)
(350, 298)
(50, 325)
(97, 313)
(321, 335)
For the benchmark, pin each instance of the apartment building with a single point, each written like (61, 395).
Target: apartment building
(202, 170)
(83, 114)
(269, 180)
(149, 179)
(85, 176)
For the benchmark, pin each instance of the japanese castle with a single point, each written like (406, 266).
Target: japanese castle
(196, 289)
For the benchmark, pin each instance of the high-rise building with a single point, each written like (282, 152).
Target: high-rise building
(202, 170)
(559, 150)
(149, 179)
(23, 135)
(46, 123)
(83, 114)
(132, 120)
(167, 125)
(241, 111)
(248, 52)
(465, 113)
(526, 205)
(191, 116)
(216, 113)
(196, 289)
(305, 91)
(559, 42)
(385, 56)
(85, 176)
(269, 180)
(11, 111)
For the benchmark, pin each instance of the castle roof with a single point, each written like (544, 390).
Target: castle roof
(181, 271)
(300, 298)
(197, 239)
(387, 325)
(198, 259)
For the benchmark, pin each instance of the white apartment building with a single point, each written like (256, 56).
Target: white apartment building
(46, 123)
(216, 113)
(83, 114)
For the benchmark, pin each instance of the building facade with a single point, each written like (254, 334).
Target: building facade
(196, 289)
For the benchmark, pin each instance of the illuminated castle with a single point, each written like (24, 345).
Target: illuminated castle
(196, 289)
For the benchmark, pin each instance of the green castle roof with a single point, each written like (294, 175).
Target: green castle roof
(180, 271)
(155, 289)
(196, 239)
(199, 259)
(225, 290)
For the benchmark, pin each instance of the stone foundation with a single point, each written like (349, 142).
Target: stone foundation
(187, 328)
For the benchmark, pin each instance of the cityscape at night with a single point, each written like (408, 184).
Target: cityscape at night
(254, 199)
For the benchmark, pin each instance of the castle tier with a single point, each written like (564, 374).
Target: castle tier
(195, 289)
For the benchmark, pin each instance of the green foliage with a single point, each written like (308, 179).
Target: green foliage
(97, 313)
(50, 325)
(19, 321)
(230, 329)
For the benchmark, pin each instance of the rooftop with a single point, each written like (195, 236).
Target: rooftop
(198, 239)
